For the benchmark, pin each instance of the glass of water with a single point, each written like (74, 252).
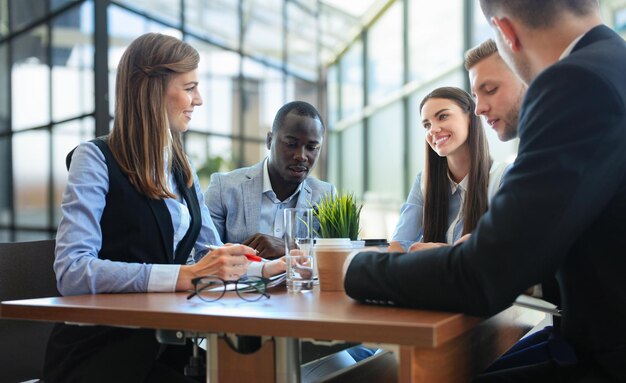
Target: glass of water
(298, 248)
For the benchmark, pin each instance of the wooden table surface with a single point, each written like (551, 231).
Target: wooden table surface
(423, 335)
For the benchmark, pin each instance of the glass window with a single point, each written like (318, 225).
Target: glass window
(351, 80)
(124, 27)
(24, 12)
(332, 93)
(268, 83)
(301, 42)
(27, 236)
(208, 154)
(482, 31)
(263, 29)
(332, 145)
(254, 152)
(56, 4)
(5, 172)
(384, 55)
(435, 41)
(385, 141)
(66, 137)
(166, 10)
(4, 20)
(218, 71)
(72, 63)
(217, 20)
(352, 159)
(4, 89)
(298, 89)
(31, 163)
(30, 80)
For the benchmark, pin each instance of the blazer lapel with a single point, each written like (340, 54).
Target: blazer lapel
(252, 192)
(164, 221)
(305, 196)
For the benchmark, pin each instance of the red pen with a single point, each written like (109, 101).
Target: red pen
(251, 257)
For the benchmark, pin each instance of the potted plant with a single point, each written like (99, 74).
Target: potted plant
(339, 224)
(338, 216)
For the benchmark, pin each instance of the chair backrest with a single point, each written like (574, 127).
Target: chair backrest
(25, 272)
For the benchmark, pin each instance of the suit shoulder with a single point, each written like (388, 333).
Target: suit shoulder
(237, 175)
(319, 185)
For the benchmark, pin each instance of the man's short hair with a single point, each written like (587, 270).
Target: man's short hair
(479, 53)
(537, 13)
(300, 108)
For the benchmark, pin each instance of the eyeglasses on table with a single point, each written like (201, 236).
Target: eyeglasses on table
(211, 288)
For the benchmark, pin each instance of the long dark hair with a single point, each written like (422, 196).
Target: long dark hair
(437, 187)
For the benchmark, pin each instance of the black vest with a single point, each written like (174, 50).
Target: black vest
(135, 229)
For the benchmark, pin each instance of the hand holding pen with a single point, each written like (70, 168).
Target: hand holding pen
(252, 257)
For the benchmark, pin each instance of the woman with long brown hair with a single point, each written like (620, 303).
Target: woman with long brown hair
(449, 197)
(134, 219)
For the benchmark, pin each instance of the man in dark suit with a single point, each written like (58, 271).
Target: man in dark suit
(562, 206)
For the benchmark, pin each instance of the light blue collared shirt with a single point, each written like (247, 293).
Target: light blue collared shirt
(410, 225)
(79, 236)
(271, 222)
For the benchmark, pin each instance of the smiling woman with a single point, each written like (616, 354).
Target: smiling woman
(451, 195)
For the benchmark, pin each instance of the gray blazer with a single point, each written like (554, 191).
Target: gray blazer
(234, 200)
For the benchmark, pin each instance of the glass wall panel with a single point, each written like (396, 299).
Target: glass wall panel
(267, 82)
(217, 20)
(298, 89)
(4, 89)
(208, 154)
(253, 152)
(482, 31)
(351, 78)
(384, 55)
(302, 42)
(124, 27)
(72, 63)
(384, 148)
(217, 73)
(4, 18)
(352, 145)
(56, 4)
(66, 137)
(5, 236)
(5, 172)
(30, 72)
(332, 95)
(27, 236)
(435, 41)
(24, 12)
(166, 10)
(31, 164)
(332, 145)
(263, 29)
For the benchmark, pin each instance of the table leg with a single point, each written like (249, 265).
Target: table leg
(287, 359)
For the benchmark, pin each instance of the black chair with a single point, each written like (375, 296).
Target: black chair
(25, 272)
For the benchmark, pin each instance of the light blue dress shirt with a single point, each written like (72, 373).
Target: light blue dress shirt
(79, 236)
(272, 208)
(410, 225)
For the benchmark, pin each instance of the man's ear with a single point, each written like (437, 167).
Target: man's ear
(268, 140)
(508, 31)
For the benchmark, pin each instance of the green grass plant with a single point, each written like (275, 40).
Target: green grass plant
(338, 216)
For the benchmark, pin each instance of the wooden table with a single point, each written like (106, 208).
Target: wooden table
(431, 346)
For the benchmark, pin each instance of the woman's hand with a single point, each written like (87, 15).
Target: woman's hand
(395, 247)
(274, 267)
(417, 246)
(227, 262)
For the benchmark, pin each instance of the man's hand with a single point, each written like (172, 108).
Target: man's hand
(267, 246)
